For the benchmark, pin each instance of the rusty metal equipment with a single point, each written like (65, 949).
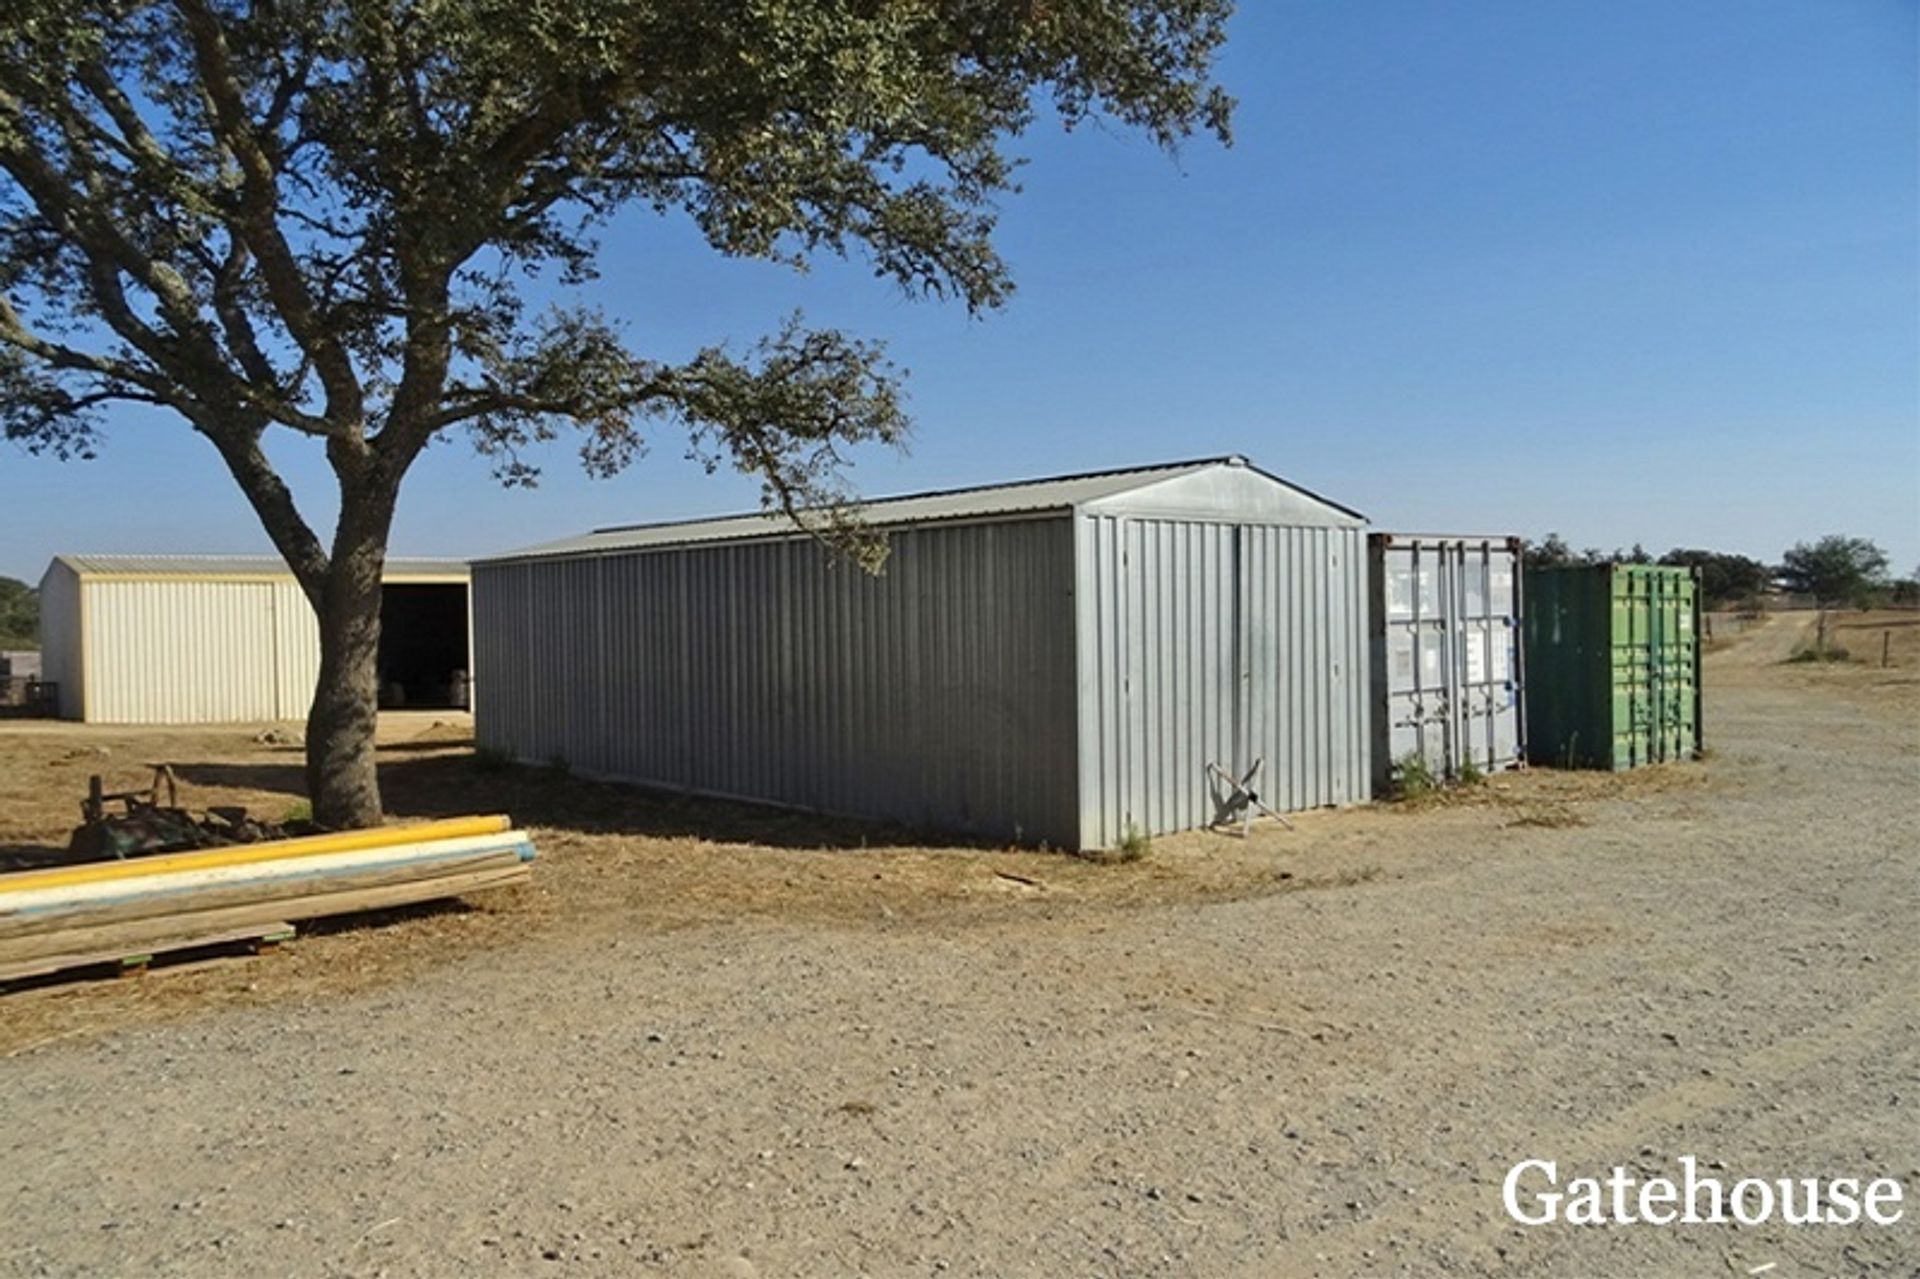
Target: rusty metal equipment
(144, 824)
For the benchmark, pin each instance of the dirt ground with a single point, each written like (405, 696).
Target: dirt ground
(715, 1040)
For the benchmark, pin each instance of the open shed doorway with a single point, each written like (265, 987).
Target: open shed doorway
(424, 662)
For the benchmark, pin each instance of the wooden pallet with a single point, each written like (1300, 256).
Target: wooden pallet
(256, 938)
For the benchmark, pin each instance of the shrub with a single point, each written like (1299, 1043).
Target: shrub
(1412, 778)
(1133, 846)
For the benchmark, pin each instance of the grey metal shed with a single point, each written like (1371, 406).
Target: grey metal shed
(1048, 662)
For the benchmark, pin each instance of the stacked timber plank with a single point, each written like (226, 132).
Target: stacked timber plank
(72, 916)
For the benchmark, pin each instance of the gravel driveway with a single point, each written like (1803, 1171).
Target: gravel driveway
(1325, 1082)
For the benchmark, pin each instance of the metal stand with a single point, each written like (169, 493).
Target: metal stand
(1242, 799)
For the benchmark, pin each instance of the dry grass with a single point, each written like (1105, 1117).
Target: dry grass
(1861, 680)
(1548, 816)
(621, 860)
(612, 859)
(1550, 793)
(1865, 635)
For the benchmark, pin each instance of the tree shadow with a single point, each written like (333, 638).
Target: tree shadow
(33, 856)
(284, 779)
(456, 784)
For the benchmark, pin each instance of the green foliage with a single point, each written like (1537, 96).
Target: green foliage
(1725, 579)
(299, 813)
(1134, 845)
(1906, 592)
(322, 216)
(1553, 552)
(19, 614)
(1834, 570)
(1415, 781)
(1412, 778)
(331, 218)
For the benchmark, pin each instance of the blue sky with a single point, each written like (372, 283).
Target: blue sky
(1633, 272)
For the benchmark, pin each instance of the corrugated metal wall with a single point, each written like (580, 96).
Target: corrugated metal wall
(939, 694)
(180, 649)
(1205, 642)
(296, 651)
(60, 649)
(185, 651)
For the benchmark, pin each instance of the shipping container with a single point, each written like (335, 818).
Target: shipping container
(1060, 661)
(203, 639)
(1447, 676)
(1613, 665)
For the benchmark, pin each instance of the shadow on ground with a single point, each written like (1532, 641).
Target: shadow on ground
(32, 856)
(454, 784)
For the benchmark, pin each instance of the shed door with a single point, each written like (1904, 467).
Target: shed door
(180, 651)
(1206, 643)
(1296, 608)
(1159, 672)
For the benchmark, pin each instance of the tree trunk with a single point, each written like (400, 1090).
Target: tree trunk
(342, 781)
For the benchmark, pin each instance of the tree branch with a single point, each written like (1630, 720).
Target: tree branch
(15, 334)
(258, 222)
(270, 498)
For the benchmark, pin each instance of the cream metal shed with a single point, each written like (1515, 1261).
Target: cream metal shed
(202, 639)
(1056, 661)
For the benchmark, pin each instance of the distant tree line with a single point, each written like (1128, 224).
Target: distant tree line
(19, 615)
(1834, 571)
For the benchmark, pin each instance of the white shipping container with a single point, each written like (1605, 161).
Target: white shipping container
(1447, 687)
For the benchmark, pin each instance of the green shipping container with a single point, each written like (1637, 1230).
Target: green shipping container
(1613, 665)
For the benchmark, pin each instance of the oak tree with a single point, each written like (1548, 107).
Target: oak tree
(1834, 570)
(322, 217)
(1725, 578)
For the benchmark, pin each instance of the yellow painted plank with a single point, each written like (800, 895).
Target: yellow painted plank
(243, 854)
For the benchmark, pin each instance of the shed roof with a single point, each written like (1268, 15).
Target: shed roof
(235, 566)
(1026, 497)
